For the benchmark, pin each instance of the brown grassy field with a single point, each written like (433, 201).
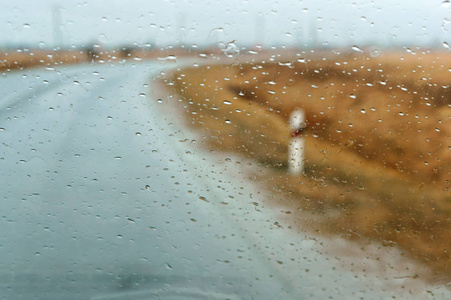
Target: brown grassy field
(378, 155)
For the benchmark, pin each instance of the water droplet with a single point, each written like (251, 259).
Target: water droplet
(205, 199)
(446, 45)
(142, 95)
(228, 121)
(363, 111)
(231, 49)
(287, 64)
(374, 53)
(26, 25)
(356, 48)
(168, 58)
(160, 101)
(446, 3)
(227, 102)
(352, 96)
(118, 157)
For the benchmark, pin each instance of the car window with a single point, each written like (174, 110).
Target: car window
(224, 150)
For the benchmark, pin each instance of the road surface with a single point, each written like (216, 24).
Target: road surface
(107, 196)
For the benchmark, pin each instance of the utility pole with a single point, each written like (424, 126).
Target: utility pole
(57, 28)
(181, 29)
(259, 29)
(313, 36)
(298, 37)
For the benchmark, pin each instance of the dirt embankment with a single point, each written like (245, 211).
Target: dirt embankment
(378, 155)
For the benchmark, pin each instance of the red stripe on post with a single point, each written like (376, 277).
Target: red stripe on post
(297, 132)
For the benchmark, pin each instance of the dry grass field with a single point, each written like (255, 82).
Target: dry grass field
(378, 154)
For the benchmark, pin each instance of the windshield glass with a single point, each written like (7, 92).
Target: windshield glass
(225, 150)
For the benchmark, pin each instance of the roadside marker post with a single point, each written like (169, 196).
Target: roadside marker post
(296, 147)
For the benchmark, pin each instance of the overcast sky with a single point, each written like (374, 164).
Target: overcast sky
(201, 22)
